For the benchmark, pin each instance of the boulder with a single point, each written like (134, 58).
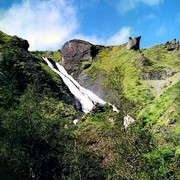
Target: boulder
(97, 109)
(20, 43)
(74, 53)
(128, 120)
(172, 44)
(133, 43)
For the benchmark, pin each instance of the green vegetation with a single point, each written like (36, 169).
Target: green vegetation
(38, 139)
(122, 71)
(146, 85)
(54, 55)
(162, 119)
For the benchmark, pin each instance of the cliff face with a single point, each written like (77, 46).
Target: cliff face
(38, 138)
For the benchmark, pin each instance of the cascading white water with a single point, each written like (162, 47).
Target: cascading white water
(87, 98)
(95, 99)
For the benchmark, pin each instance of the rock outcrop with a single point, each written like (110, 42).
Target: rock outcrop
(133, 43)
(127, 121)
(74, 53)
(172, 44)
(144, 61)
(157, 74)
(20, 43)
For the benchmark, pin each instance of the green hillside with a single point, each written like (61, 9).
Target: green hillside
(38, 139)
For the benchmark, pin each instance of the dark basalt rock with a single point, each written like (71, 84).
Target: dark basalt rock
(85, 66)
(133, 43)
(97, 109)
(74, 53)
(172, 44)
(20, 43)
(95, 86)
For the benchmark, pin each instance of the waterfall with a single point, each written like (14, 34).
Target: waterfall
(87, 98)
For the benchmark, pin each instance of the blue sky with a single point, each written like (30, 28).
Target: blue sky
(48, 24)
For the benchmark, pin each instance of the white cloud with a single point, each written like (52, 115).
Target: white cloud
(119, 37)
(45, 24)
(92, 39)
(127, 5)
(48, 24)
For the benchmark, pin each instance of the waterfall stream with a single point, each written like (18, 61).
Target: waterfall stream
(87, 98)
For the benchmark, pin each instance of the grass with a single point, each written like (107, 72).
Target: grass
(4, 38)
(121, 72)
(54, 55)
(162, 115)
(162, 57)
(153, 103)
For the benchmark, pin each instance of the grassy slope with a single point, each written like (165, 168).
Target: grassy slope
(123, 70)
(29, 67)
(153, 102)
(35, 105)
(54, 55)
(100, 138)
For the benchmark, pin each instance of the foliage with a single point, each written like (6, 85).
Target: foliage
(38, 139)
(32, 134)
(54, 55)
(161, 118)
